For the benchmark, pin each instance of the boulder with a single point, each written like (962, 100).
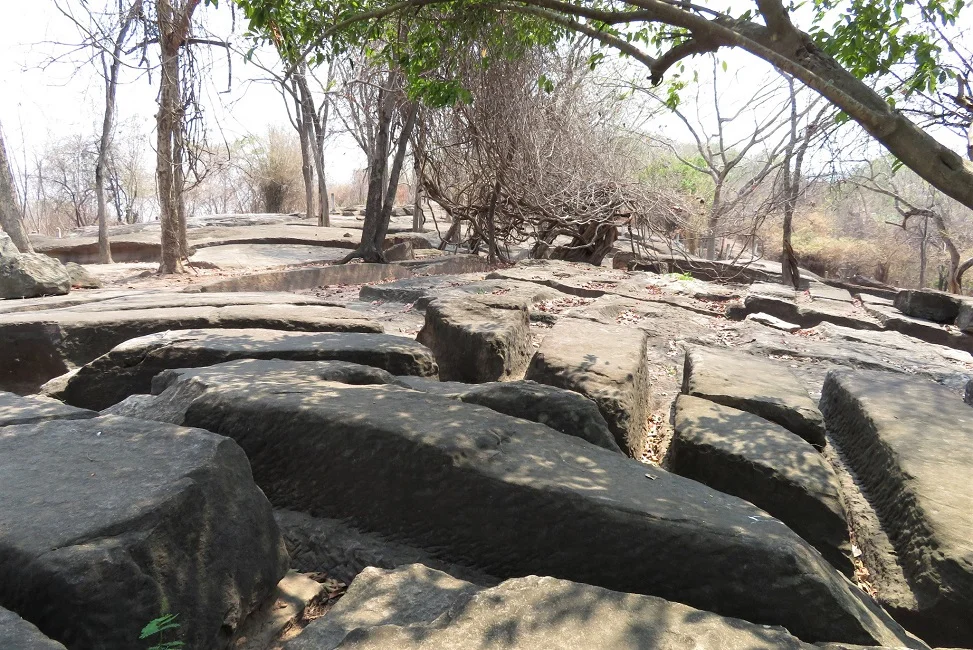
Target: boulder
(15, 409)
(755, 385)
(563, 410)
(338, 549)
(964, 318)
(415, 608)
(741, 454)
(478, 340)
(400, 252)
(129, 368)
(510, 497)
(80, 277)
(28, 275)
(607, 364)
(108, 523)
(40, 345)
(7, 247)
(929, 304)
(910, 443)
(18, 634)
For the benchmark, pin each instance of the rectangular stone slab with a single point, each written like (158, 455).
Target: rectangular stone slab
(607, 364)
(741, 454)
(755, 385)
(38, 346)
(129, 368)
(512, 498)
(107, 523)
(16, 409)
(910, 443)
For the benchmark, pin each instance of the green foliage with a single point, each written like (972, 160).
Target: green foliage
(872, 37)
(157, 627)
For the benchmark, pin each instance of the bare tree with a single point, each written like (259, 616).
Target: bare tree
(11, 216)
(106, 35)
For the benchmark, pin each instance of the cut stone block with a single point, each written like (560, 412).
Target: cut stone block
(747, 456)
(910, 443)
(478, 340)
(130, 367)
(413, 608)
(504, 496)
(754, 385)
(41, 345)
(607, 364)
(15, 409)
(108, 523)
(928, 304)
(18, 634)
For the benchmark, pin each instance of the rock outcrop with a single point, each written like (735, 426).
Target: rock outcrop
(910, 443)
(508, 493)
(108, 523)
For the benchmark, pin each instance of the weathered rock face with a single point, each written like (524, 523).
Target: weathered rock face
(109, 522)
(7, 248)
(937, 306)
(508, 493)
(741, 454)
(40, 345)
(562, 410)
(396, 609)
(755, 385)
(342, 552)
(922, 329)
(910, 443)
(80, 278)
(18, 634)
(605, 363)
(31, 274)
(400, 252)
(811, 314)
(478, 340)
(130, 367)
(15, 409)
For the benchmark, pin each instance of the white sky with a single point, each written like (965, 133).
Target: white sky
(39, 105)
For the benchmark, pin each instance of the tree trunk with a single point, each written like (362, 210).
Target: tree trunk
(11, 217)
(923, 257)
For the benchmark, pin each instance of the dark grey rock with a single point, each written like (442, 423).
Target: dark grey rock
(510, 497)
(755, 385)
(478, 340)
(41, 345)
(929, 304)
(605, 363)
(744, 455)
(18, 634)
(130, 367)
(910, 444)
(406, 596)
(922, 329)
(811, 314)
(334, 547)
(17, 409)
(107, 523)
(413, 608)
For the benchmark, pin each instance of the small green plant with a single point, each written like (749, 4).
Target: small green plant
(685, 277)
(158, 627)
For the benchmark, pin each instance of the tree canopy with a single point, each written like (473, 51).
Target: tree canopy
(839, 48)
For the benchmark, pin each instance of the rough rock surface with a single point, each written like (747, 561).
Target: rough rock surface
(910, 443)
(755, 385)
(15, 409)
(28, 275)
(40, 345)
(741, 454)
(605, 363)
(334, 547)
(503, 495)
(811, 314)
(18, 634)
(415, 608)
(105, 523)
(130, 367)
(937, 306)
(478, 340)
(80, 278)
(920, 328)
